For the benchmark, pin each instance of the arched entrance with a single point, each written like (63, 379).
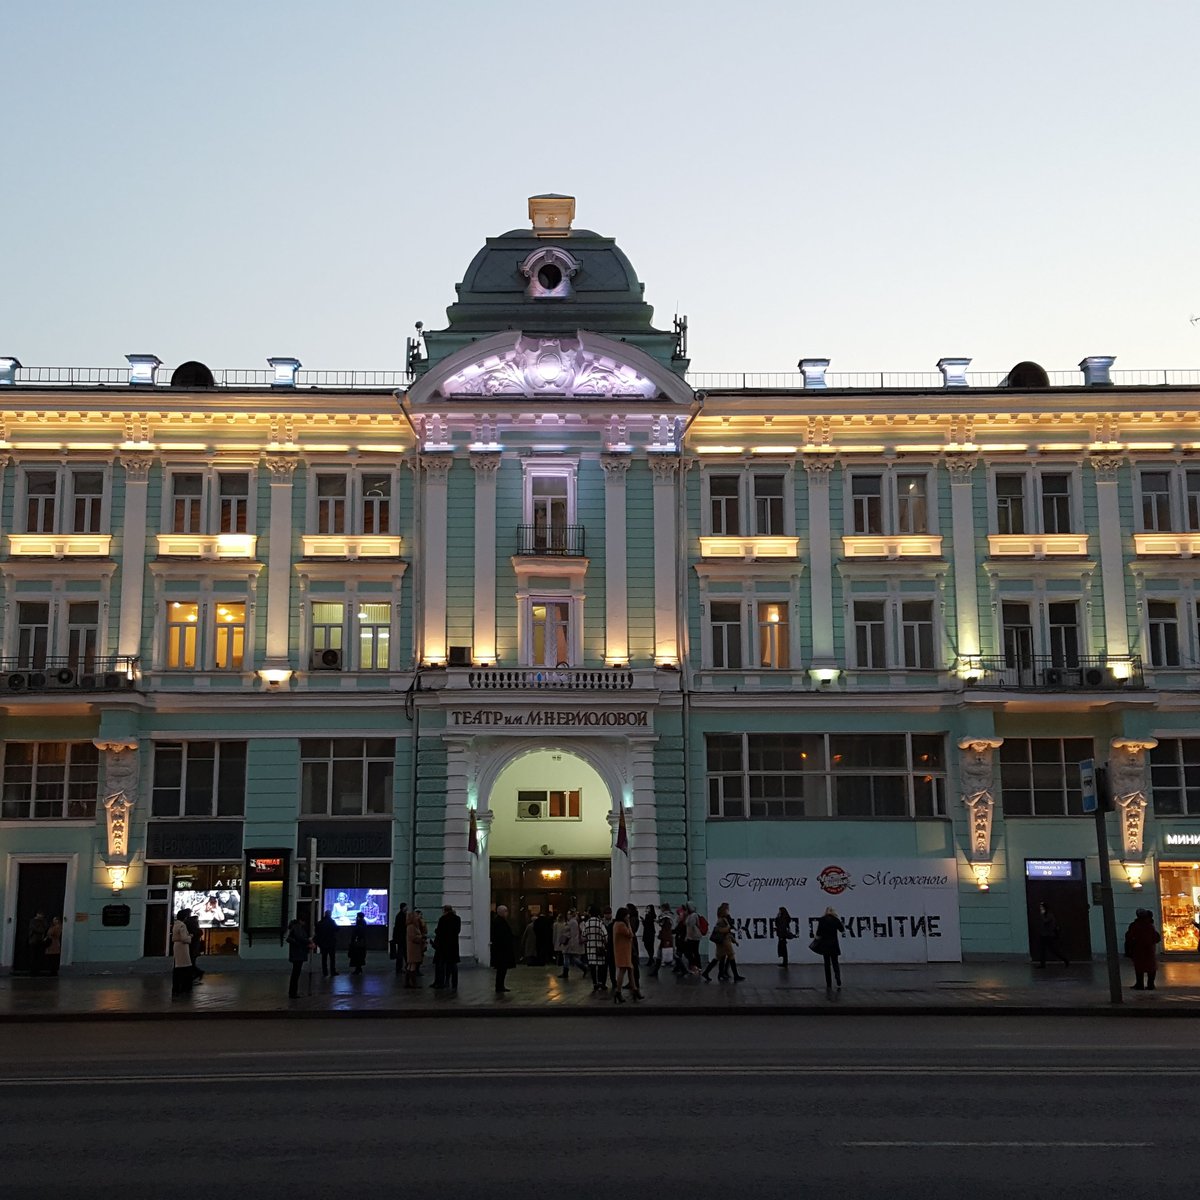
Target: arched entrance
(550, 842)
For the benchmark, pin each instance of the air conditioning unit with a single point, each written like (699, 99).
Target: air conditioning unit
(36, 681)
(1055, 677)
(325, 660)
(1092, 676)
(18, 681)
(458, 656)
(89, 682)
(530, 810)
(64, 677)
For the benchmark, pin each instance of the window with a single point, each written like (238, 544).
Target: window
(768, 504)
(187, 501)
(782, 776)
(1156, 501)
(747, 503)
(346, 777)
(1016, 629)
(374, 636)
(550, 511)
(183, 629)
(1175, 777)
(328, 625)
(1039, 777)
(724, 510)
(551, 633)
(916, 624)
(1030, 501)
(52, 781)
(889, 502)
(83, 634)
(893, 632)
(725, 628)
(33, 633)
(230, 637)
(233, 492)
(208, 635)
(199, 779)
(870, 641)
(376, 503)
(1063, 621)
(1192, 499)
(1010, 503)
(63, 499)
(1162, 633)
(1056, 503)
(208, 502)
(352, 503)
(554, 806)
(331, 503)
(773, 650)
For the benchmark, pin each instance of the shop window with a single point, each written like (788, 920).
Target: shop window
(1179, 894)
(50, 781)
(213, 892)
(784, 776)
(1039, 777)
(1175, 777)
(199, 779)
(346, 777)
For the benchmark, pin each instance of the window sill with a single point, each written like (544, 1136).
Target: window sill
(215, 547)
(1045, 545)
(1173, 545)
(907, 545)
(749, 548)
(337, 545)
(63, 545)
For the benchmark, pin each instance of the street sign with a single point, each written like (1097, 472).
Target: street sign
(1087, 781)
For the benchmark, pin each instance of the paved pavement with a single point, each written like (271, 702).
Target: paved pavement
(248, 990)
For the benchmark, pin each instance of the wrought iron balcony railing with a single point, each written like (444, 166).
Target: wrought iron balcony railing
(44, 673)
(1045, 672)
(553, 541)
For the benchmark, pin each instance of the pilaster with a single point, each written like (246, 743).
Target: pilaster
(433, 556)
(616, 556)
(666, 591)
(966, 585)
(820, 557)
(483, 638)
(133, 552)
(1112, 565)
(279, 562)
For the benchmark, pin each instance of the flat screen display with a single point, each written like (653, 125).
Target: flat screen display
(346, 903)
(216, 907)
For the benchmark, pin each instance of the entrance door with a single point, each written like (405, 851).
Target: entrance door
(548, 886)
(1062, 885)
(41, 887)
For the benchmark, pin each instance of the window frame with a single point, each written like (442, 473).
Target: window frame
(58, 626)
(64, 497)
(1059, 769)
(89, 806)
(208, 602)
(332, 757)
(889, 476)
(208, 505)
(1034, 497)
(185, 745)
(1179, 767)
(1149, 639)
(354, 500)
(746, 502)
(894, 649)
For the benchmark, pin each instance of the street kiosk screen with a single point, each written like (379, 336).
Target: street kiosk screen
(344, 905)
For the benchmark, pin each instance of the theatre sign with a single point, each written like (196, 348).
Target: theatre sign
(591, 719)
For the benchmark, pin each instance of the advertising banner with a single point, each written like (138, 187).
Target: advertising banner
(894, 910)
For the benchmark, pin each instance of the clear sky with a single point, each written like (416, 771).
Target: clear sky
(879, 183)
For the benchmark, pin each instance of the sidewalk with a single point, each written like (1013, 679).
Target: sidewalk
(1010, 988)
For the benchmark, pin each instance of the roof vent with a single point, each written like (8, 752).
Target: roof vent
(1095, 370)
(954, 371)
(8, 370)
(1027, 375)
(192, 374)
(143, 368)
(285, 371)
(813, 370)
(552, 214)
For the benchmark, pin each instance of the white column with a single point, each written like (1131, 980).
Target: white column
(1112, 563)
(279, 562)
(616, 559)
(484, 636)
(133, 552)
(820, 558)
(666, 591)
(433, 553)
(481, 892)
(457, 874)
(966, 584)
(642, 826)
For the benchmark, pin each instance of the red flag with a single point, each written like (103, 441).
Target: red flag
(622, 833)
(473, 835)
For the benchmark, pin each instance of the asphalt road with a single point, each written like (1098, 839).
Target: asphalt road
(763, 1107)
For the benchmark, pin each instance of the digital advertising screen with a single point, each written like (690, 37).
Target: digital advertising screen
(345, 903)
(216, 903)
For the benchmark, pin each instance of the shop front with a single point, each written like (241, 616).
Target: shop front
(354, 860)
(1179, 892)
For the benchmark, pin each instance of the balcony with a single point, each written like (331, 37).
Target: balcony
(1174, 545)
(340, 545)
(903, 545)
(112, 673)
(554, 541)
(559, 679)
(1037, 545)
(1046, 673)
(210, 546)
(59, 545)
(749, 549)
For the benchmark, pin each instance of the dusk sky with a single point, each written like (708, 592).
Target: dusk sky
(879, 183)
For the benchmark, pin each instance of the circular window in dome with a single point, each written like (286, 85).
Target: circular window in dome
(549, 276)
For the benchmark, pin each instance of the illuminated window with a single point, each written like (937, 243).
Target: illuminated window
(551, 633)
(550, 805)
(374, 636)
(51, 781)
(183, 633)
(229, 636)
(199, 779)
(773, 635)
(328, 625)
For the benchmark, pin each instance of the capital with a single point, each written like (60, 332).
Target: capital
(137, 467)
(664, 467)
(819, 467)
(960, 466)
(615, 466)
(437, 466)
(1106, 466)
(485, 462)
(282, 467)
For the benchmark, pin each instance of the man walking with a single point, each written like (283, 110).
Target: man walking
(299, 947)
(326, 940)
(693, 932)
(504, 947)
(445, 949)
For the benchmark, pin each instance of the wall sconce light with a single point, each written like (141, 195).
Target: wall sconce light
(1134, 872)
(983, 875)
(970, 670)
(273, 677)
(551, 874)
(1121, 670)
(116, 876)
(825, 675)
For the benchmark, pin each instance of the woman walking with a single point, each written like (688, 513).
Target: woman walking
(724, 941)
(623, 950)
(827, 945)
(415, 936)
(649, 932)
(400, 938)
(54, 936)
(358, 944)
(182, 975)
(595, 947)
(1141, 940)
(783, 934)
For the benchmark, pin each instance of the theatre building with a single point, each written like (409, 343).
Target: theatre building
(544, 619)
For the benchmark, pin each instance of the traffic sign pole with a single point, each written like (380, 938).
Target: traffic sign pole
(1094, 781)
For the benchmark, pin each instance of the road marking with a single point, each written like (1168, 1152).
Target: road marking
(1008, 1145)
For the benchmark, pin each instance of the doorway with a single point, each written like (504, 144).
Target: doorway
(1061, 884)
(41, 887)
(532, 888)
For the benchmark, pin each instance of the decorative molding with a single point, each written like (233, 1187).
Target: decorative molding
(615, 467)
(1127, 782)
(975, 777)
(116, 819)
(664, 468)
(485, 462)
(819, 467)
(121, 788)
(1106, 466)
(137, 467)
(437, 466)
(282, 467)
(960, 466)
(1132, 808)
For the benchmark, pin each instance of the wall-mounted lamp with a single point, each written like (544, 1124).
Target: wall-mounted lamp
(1134, 872)
(551, 874)
(116, 876)
(983, 875)
(273, 676)
(1121, 670)
(824, 675)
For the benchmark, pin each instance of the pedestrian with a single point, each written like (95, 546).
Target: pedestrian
(504, 947)
(558, 954)
(195, 946)
(827, 945)
(576, 955)
(624, 949)
(595, 947)
(783, 934)
(610, 966)
(543, 932)
(664, 951)
(679, 939)
(724, 938)
(299, 946)
(529, 952)
(416, 936)
(693, 932)
(1049, 933)
(37, 942)
(1141, 940)
(326, 940)
(357, 953)
(445, 948)
(181, 957)
(649, 933)
(399, 943)
(54, 937)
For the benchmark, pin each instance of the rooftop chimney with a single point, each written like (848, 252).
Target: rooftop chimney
(1095, 369)
(143, 368)
(813, 370)
(551, 214)
(8, 371)
(954, 371)
(285, 371)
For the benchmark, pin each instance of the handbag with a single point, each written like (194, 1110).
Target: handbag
(816, 947)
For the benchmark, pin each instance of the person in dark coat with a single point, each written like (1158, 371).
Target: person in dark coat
(38, 928)
(445, 949)
(326, 940)
(828, 928)
(1049, 932)
(504, 947)
(358, 944)
(1141, 940)
(649, 932)
(192, 921)
(400, 939)
(543, 933)
(783, 934)
(299, 947)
